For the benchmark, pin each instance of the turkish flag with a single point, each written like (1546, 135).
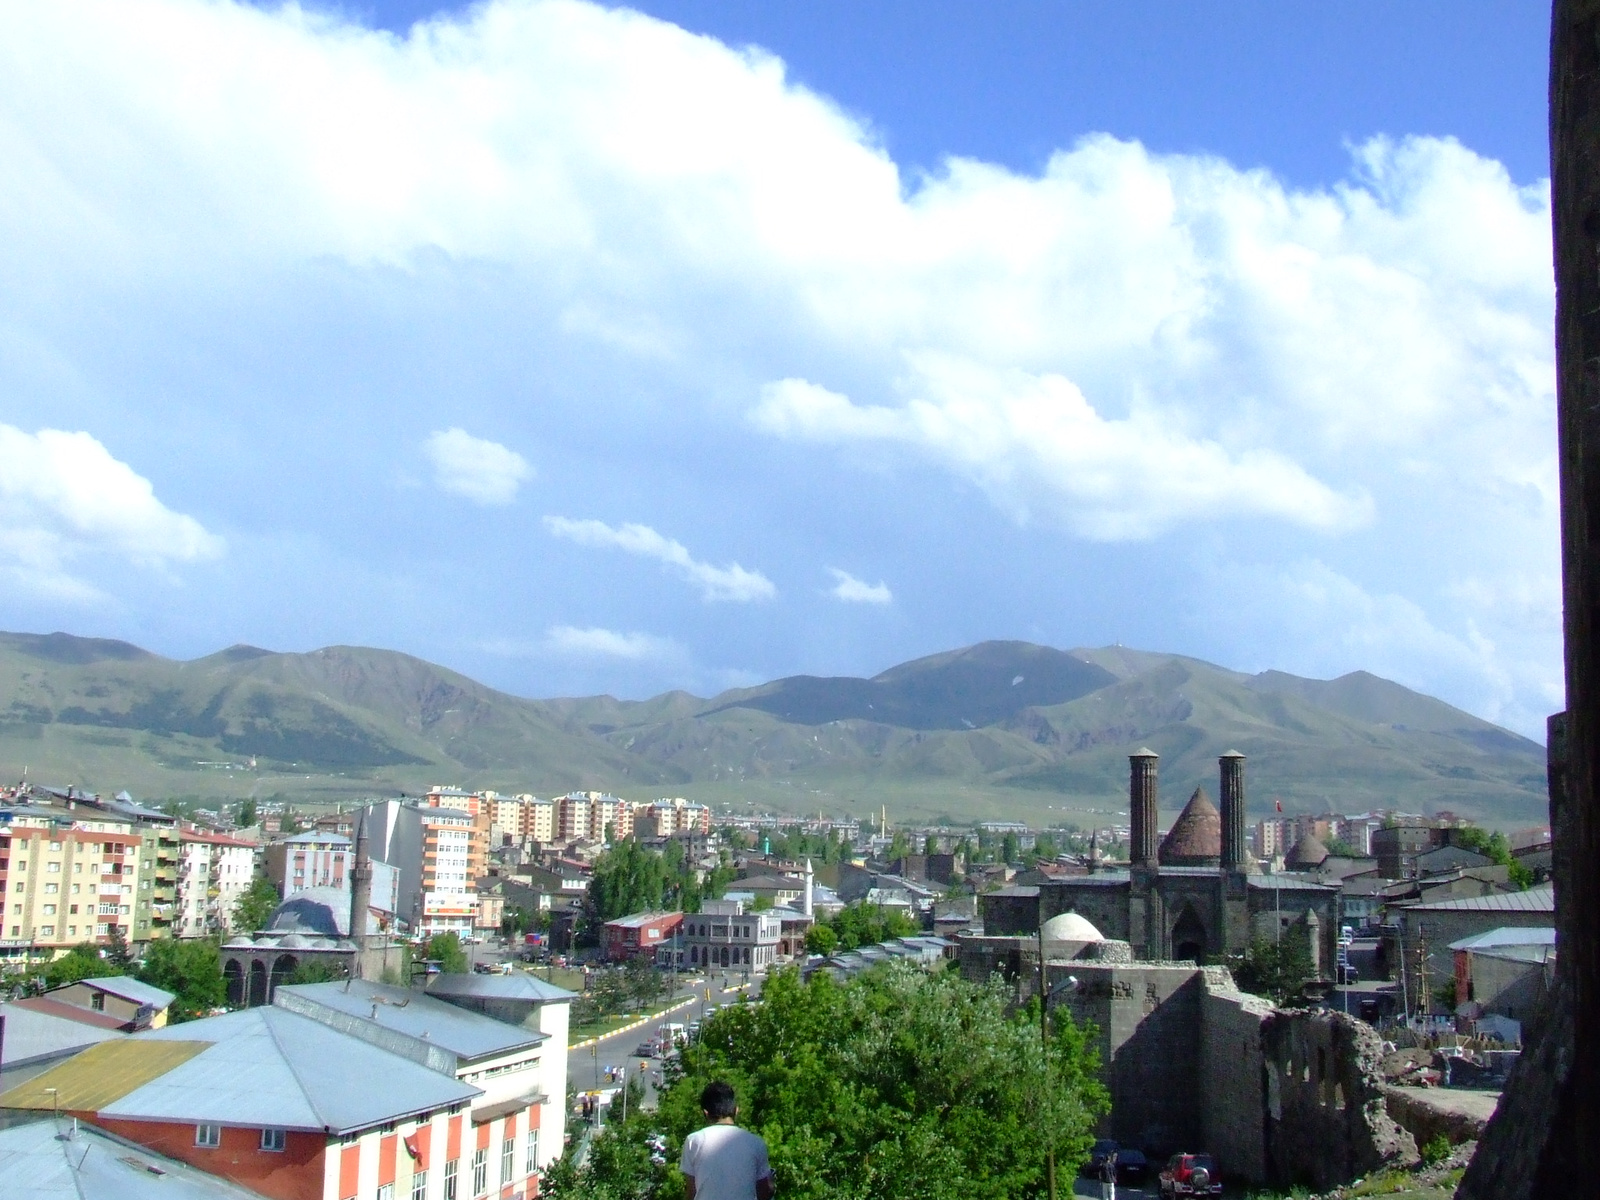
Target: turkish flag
(1280, 805)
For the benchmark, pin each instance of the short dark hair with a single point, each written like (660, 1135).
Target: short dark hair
(718, 1100)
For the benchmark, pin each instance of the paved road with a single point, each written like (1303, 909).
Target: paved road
(586, 1067)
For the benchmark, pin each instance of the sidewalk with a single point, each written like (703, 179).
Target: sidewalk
(632, 1025)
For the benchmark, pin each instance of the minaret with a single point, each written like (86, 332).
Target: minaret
(810, 885)
(1231, 766)
(360, 895)
(1143, 806)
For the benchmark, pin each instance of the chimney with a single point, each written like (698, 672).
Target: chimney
(1143, 805)
(809, 888)
(1231, 766)
(360, 894)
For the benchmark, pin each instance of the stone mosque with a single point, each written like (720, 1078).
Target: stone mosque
(1198, 895)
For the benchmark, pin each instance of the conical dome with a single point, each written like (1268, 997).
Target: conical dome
(1307, 854)
(1196, 837)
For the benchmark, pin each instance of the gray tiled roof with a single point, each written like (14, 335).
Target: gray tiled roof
(416, 1014)
(272, 1068)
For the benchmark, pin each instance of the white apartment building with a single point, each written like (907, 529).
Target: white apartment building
(436, 855)
(213, 872)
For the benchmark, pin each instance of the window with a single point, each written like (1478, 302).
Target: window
(55, 847)
(47, 931)
(72, 931)
(208, 1136)
(480, 1172)
(386, 1191)
(419, 1186)
(50, 889)
(451, 1169)
(53, 868)
(98, 1002)
(49, 910)
(77, 869)
(508, 1160)
(273, 1139)
(533, 1151)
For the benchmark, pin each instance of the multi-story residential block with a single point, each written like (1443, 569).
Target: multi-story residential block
(309, 860)
(572, 817)
(213, 872)
(539, 819)
(437, 856)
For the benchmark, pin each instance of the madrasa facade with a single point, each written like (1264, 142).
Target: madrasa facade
(1196, 896)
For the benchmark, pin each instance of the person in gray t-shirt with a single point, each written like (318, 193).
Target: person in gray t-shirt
(722, 1161)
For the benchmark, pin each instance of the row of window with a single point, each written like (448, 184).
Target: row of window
(209, 1137)
(102, 929)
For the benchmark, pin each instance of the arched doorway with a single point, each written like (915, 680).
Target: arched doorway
(282, 968)
(1189, 936)
(258, 984)
(233, 976)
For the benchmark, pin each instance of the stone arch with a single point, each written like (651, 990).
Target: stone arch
(1189, 937)
(258, 984)
(282, 968)
(233, 976)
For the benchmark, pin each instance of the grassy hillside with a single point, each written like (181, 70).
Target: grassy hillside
(999, 729)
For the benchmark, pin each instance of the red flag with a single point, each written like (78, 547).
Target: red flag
(1280, 805)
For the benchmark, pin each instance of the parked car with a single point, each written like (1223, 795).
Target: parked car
(645, 1050)
(1098, 1153)
(1191, 1175)
(1132, 1165)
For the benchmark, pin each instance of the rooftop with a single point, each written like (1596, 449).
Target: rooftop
(261, 1067)
(1508, 935)
(416, 1014)
(519, 985)
(35, 1034)
(66, 1160)
(1196, 836)
(1539, 899)
(638, 920)
(127, 988)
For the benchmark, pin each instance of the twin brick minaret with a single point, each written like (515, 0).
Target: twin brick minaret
(1145, 809)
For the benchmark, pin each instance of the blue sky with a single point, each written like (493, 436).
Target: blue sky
(588, 349)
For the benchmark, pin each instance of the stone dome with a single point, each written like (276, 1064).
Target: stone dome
(241, 941)
(1196, 836)
(1070, 927)
(319, 912)
(1307, 854)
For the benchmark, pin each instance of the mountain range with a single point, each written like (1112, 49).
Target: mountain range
(993, 730)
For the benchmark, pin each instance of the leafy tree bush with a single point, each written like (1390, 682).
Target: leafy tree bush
(1276, 969)
(316, 970)
(255, 905)
(445, 949)
(83, 961)
(821, 939)
(1496, 847)
(898, 1085)
(191, 970)
(863, 924)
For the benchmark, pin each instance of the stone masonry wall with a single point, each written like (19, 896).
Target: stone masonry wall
(1233, 1080)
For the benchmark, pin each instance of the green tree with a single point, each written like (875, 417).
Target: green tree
(445, 949)
(898, 1085)
(117, 955)
(1497, 848)
(255, 905)
(83, 961)
(821, 939)
(643, 981)
(1009, 851)
(1276, 969)
(192, 970)
(247, 814)
(316, 970)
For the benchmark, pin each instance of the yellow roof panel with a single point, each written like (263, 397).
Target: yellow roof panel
(101, 1075)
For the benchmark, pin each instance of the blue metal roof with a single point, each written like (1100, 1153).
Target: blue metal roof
(1508, 935)
(416, 1014)
(38, 1037)
(128, 988)
(1540, 899)
(266, 1067)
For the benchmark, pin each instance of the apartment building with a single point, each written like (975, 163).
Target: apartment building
(213, 872)
(437, 856)
(309, 860)
(572, 817)
(65, 885)
(521, 818)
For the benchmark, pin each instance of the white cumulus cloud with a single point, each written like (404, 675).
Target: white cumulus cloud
(596, 642)
(1035, 441)
(63, 496)
(731, 582)
(484, 472)
(851, 590)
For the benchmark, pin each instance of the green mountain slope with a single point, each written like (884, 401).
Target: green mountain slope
(998, 728)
